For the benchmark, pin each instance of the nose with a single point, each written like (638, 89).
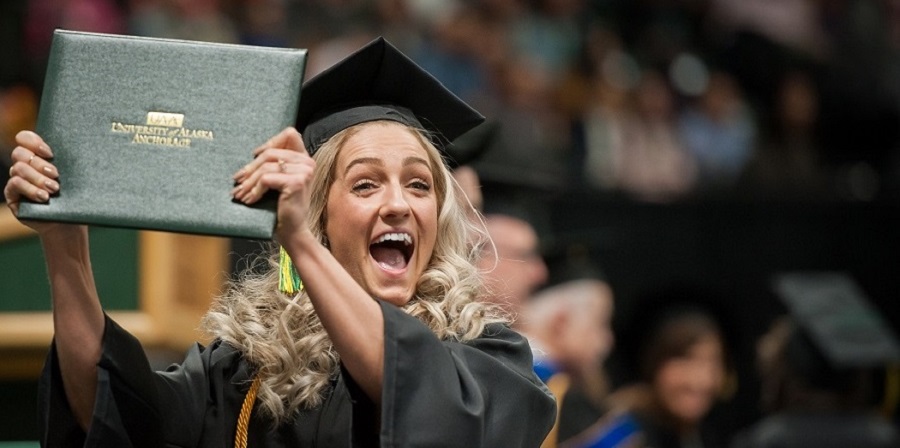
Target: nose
(395, 204)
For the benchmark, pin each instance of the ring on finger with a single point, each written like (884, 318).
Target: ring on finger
(281, 166)
(11, 171)
(30, 159)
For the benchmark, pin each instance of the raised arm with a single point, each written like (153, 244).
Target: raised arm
(77, 316)
(351, 317)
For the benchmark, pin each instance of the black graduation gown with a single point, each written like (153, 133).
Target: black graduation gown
(482, 393)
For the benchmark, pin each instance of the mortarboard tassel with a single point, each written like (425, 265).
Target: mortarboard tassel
(289, 281)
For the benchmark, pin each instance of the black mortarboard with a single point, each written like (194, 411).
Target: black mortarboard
(378, 82)
(470, 146)
(834, 313)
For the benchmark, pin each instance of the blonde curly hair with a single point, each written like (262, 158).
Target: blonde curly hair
(282, 336)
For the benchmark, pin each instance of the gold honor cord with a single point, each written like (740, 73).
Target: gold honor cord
(240, 436)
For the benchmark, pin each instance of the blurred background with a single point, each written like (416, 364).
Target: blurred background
(701, 145)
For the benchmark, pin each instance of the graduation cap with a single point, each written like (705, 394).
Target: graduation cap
(470, 146)
(378, 82)
(835, 315)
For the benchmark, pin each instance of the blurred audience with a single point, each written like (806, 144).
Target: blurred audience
(592, 94)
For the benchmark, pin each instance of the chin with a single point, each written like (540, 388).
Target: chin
(397, 300)
(395, 295)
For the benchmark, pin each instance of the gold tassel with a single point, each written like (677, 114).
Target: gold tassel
(289, 281)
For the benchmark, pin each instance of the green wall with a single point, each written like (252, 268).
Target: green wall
(23, 277)
(24, 287)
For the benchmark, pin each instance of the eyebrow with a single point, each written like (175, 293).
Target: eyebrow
(411, 160)
(363, 160)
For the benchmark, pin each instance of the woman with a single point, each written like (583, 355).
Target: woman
(683, 370)
(383, 344)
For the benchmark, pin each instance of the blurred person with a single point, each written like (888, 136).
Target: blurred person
(654, 164)
(568, 326)
(819, 367)
(808, 403)
(513, 267)
(611, 75)
(719, 132)
(683, 372)
(787, 162)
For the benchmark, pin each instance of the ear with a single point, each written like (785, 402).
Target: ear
(558, 323)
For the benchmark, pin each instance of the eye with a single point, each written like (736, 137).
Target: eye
(419, 184)
(363, 185)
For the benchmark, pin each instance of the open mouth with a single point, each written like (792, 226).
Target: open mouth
(392, 251)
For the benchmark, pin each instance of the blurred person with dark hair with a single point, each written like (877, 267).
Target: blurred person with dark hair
(683, 369)
(787, 162)
(819, 369)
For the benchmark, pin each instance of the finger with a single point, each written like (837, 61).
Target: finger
(34, 143)
(35, 177)
(26, 156)
(18, 188)
(249, 186)
(288, 138)
(272, 178)
(286, 184)
(270, 155)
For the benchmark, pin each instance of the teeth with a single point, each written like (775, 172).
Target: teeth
(404, 237)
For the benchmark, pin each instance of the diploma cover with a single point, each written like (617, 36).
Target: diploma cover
(147, 133)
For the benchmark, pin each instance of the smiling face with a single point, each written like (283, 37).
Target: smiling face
(688, 385)
(382, 210)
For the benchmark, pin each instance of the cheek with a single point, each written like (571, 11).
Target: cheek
(667, 380)
(428, 223)
(672, 382)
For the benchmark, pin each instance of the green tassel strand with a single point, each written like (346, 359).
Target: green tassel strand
(289, 281)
